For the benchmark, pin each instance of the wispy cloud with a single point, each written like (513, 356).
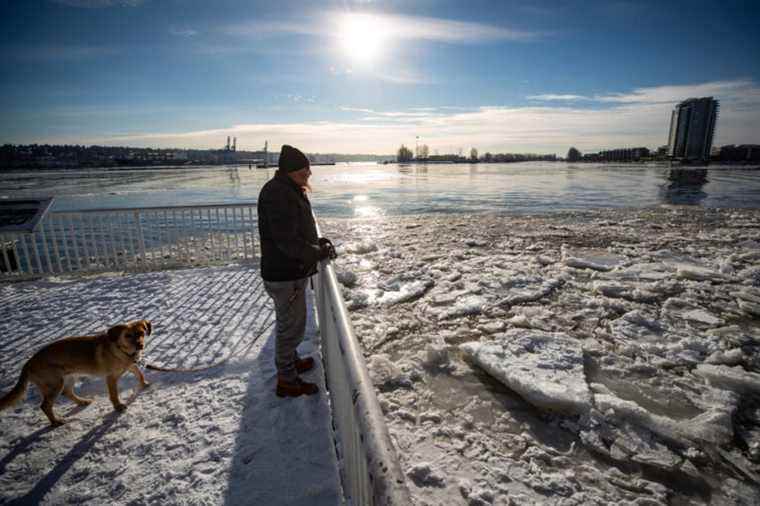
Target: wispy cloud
(413, 113)
(543, 129)
(263, 28)
(445, 30)
(300, 99)
(395, 75)
(736, 90)
(729, 90)
(182, 31)
(391, 26)
(550, 97)
(99, 4)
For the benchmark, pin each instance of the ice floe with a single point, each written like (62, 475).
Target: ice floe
(544, 368)
(732, 378)
(597, 261)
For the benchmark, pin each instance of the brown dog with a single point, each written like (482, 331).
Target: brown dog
(108, 355)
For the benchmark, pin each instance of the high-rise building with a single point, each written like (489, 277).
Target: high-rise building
(692, 126)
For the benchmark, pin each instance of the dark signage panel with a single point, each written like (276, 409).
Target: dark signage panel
(22, 215)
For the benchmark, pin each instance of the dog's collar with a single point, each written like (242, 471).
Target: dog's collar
(131, 356)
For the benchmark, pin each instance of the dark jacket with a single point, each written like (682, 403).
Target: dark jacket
(289, 240)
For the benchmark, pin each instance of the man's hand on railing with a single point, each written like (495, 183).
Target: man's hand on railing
(326, 249)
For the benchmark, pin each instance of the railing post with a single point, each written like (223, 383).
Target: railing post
(22, 239)
(64, 241)
(46, 250)
(74, 240)
(6, 259)
(140, 237)
(253, 233)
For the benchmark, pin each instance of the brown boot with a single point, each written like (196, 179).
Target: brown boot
(295, 388)
(304, 364)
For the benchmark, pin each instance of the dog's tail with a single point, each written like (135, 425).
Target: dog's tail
(18, 391)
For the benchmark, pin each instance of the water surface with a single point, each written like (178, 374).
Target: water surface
(368, 189)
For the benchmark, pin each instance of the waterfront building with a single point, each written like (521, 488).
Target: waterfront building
(618, 155)
(692, 126)
(742, 153)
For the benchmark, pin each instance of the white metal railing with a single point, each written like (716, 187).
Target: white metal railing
(139, 239)
(370, 470)
(133, 239)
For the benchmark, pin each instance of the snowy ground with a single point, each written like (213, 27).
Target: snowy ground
(211, 437)
(577, 358)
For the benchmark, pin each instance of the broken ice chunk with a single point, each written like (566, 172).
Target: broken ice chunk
(713, 426)
(749, 300)
(530, 295)
(681, 308)
(423, 475)
(598, 261)
(730, 357)
(730, 378)
(697, 273)
(361, 247)
(465, 306)
(546, 369)
(346, 278)
(404, 292)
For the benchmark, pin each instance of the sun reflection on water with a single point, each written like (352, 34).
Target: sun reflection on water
(368, 212)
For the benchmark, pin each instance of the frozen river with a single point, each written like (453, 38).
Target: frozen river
(368, 189)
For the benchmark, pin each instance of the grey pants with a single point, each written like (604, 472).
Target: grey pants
(290, 310)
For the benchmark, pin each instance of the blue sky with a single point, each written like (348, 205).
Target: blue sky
(365, 76)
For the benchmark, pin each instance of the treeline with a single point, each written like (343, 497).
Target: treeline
(405, 154)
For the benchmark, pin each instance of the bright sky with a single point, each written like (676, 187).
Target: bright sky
(364, 76)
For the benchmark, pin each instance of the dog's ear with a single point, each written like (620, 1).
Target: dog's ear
(148, 326)
(116, 331)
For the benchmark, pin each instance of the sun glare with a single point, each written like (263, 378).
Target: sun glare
(362, 37)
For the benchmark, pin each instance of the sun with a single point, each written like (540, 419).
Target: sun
(362, 37)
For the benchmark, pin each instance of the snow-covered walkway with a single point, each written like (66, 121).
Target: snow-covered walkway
(210, 437)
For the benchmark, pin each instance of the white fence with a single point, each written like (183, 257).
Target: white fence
(370, 471)
(134, 239)
(142, 239)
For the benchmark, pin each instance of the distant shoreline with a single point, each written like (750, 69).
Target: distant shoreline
(116, 168)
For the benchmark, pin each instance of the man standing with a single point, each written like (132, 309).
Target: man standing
(290, 250)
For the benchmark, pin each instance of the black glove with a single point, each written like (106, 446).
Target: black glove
(324, 252)
(326, 249)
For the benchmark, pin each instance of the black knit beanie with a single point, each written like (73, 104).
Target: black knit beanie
(292, 159)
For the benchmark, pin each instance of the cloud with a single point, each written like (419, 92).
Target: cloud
(391, 26)
(549, 97)
(300, 99)
(399, 76)
(264, 28)
(100, 4)
(739, 90)
(182, 32)
(395, 75)
(417, 112)
(728, 90)
(536, 129)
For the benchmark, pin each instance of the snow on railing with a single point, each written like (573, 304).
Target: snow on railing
(133, 239)
(370, 470)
